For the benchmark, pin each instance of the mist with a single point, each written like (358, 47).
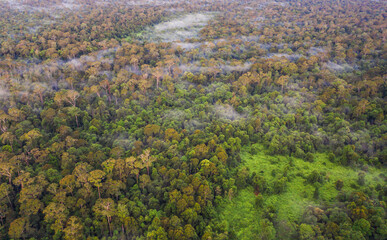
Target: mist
(179, 29)
(227, 112)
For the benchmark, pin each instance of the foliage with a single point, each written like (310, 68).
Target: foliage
(266, 120)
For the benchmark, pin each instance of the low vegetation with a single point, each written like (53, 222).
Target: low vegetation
(221, 119)
(320, 185)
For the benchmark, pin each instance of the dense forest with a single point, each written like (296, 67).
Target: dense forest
(205, 119)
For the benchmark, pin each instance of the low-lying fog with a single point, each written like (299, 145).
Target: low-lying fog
(179, 29)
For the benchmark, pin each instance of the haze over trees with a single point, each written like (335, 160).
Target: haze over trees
(193, 119)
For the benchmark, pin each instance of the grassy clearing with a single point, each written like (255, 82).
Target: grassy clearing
(240, 213)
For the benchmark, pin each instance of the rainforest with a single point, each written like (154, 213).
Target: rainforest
(194, 119)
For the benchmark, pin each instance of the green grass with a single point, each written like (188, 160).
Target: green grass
(240, 214)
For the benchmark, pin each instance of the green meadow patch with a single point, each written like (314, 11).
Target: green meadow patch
(242, 217)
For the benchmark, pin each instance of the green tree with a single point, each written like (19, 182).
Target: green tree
(96, 177)
(18, 228)
(105, 207)
(56, 215)
(306, 232)
(74, 229)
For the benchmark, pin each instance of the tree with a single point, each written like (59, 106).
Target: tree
(4, 118)
(122, 214)
(158, 72)
(362, 107)
(213, 67)
(144, 181)
(147, 160)
(134, 166)
(171, 134)
(280, 185)
(5, 190)
(106, 85)
(189, 232)
(96, 177)
(349, 155)
(158, 234)
(361, 178)
(205, 192)
(71, 97)
(134, 60)
(151, 130)
(7, 169)
(95, 89)
(170, 61)
(339, 184)
(59, 98)
(259, 201)
(31, 137)
(39, 89)
(267, 230)
(70, 81)
(114, 187)
(31, 206)
(8, 138)
(60, 139)
(108, 166)
(362, 226)
(74, 229)
(18, 228)
(75, 112)
(306, 232)
(56, 215)
(68, 183)
(105, 207)
(283, 80)
(81, 173)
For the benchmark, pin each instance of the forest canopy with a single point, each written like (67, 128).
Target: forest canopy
(196, 119)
